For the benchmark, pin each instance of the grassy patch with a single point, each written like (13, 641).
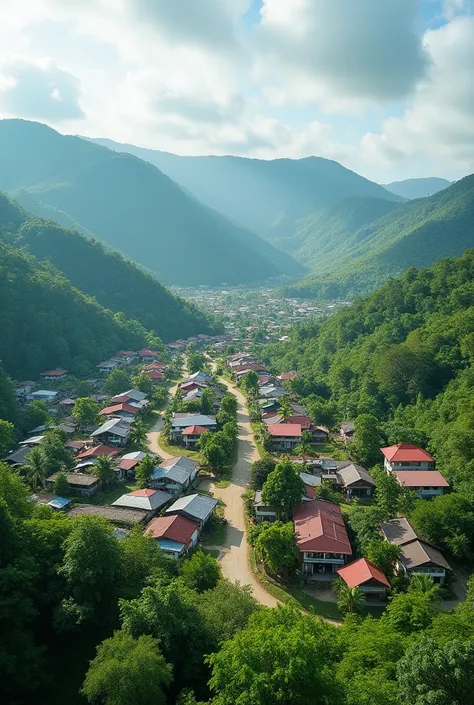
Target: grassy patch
(214, 532)
(109, 496)
(258, 443)
(223, 484)
(173, 449)
(214, 552)
(334, 450)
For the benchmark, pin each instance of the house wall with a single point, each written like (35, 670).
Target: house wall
(407, 466)
(314, 563)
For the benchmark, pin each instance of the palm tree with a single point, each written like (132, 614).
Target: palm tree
(426, 584)
(349, 599)
(103, 468)
(138, 433)
(285, 409)
(304, 446)
(36, 467)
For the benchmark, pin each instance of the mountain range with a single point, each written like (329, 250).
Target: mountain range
(417, 188)
(413, 234)
(132, 206)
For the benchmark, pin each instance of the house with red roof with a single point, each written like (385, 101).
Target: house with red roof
(147, 355)
(424, 483)
(284, 436)
(406, 456)
(54, 375)
(123, 410)
(148, 500)
(154, 375)
(192, 434)
(286, 376)
(174, 534)
(97, 451)
(321, 538)
(366, 576)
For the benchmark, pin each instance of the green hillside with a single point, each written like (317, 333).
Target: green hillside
(413, 234)
(417, 188)
(404, 354)
(267, 196)
(45, 322)
(133, 207)
(116, 283)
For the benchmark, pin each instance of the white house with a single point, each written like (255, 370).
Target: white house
(406, 456)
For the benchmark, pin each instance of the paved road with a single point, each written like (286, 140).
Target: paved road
(234, 562)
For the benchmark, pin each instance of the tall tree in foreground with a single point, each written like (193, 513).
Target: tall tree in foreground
(349, 599)
(368, 439)
(144, 472)
(282, 657)
(439, 675)
(201, 572)
(103, 468)
(36, 468)
(138, 433)
(283, 489)
(127, 670)
(6, 436)
(305, 445)
(86, 411)
(275, 545)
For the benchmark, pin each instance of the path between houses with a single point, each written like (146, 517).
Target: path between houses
(154, 434)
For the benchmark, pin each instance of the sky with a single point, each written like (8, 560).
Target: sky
(386, 87)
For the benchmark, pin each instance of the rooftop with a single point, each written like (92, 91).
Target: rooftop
(114, 514)
(290, 430)
(354, 473)
(319, 527)
(398, 531)
(150, 500)
(418, 553)
(195, 430)
(360, 572)
(196, 505)
(175, 527)
(406, 453)
(421, 478)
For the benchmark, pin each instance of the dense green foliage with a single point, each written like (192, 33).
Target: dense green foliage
(405, 356)
(414, 234)
(267, 196)
(117, 283)
(132, 206)
(47, 323)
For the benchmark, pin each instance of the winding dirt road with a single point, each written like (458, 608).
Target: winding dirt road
(154, 434)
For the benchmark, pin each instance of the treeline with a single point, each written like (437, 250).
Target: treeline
(86, 618)
(403, 355)
(117, 283)
(45, 322)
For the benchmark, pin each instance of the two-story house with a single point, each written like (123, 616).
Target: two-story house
(284, 436)
(425, 484)
(114, 432)
(321, 538)
(406, 456)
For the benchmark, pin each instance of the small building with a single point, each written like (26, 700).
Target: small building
(131, 395)
(53, 375)
(59, 503)
(108, 366)
(154, 375)
(147, 355)
(366, 576)
(123, 516)
(284, 437)
(97, 451)
(114, 432)
(262, 511)
(174, 534)
(149, 500)
(418, 557)
(192, 434)
(175, 475)
(287, 376)
(406, 456)
(182, 421)
(356, 481)
(321, 538)
(124, 411)
(129, 461)
(424, 483)
(23, 390)
(319, 434)
(44, 395)
(80, 484)
(17, 458)
(194, 506)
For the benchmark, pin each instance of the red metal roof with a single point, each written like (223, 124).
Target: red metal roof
(421, 478)
(287, 375)
(175, 527)
(154, 374)
(147, 353)
(302, 420)
(120, 399)
(194, 430)
(292, 430)
(319, 527)
(119, 407)
(128, 464)
(125, 353)
(54, 373)
(143, 493)
(98, 450)
(359, 572)
(406, 453)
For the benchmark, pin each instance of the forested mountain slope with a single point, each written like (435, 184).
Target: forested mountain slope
(413, 234)
(45, 322)
(417, 188)
(133, 207)
(267, 196)
(117, 283)
(404, 354)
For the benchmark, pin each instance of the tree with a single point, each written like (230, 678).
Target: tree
(424, 583)
(143, 383)
(144, 472)
(84, 388)
(383, 554)
(229, 404)
(349, 599)
(91, 568)
(281, 657)
(275, 545)
(116, 382)
(438, 674)
(103, 468)
(305, 446)
(138, 433)
(196, 361)
(200, 572)
(127, 670)
(387, 493)
(226, 608)
(283, 489)
(284, 408)
(365, 522)
(86, 411)
(57, 456)
(61, 485)
(250, 383)
(142, 562)
(368, 439)
(6, 436)
(260, 470)
(14, 492)
(36, 467)
(410, 612)
(208, 397)
(214, 455)
(448, 520)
